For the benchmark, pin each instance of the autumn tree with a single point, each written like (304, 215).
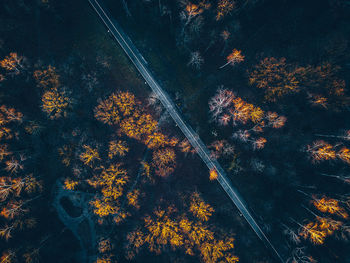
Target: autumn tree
(164, 161)
(55, 103)
(199, 208)
(320, 150)
(117, 148)
(138, 127)
(47, 78)
(224, 7)
(89, 155)
(234, 58)
(111, 180)
(165, 229)
(115, 107)
(329, 205)
(13, 63)
(276, 77)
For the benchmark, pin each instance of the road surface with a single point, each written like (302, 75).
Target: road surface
(141, 65)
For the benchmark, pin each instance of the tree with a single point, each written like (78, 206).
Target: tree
(234, 58)
(8, 256)
(224, 7)
(55, 103)
(138, 126)
(47, 78)
(164, 229)
(164, 161)
(117, 148)
(199, 208)
(89, 155)
(313, 232)
(133, 198)
(196, 60)
(111, 181)
(329, 205)
(70, 184)
(276, 77)
(213, 175)
(320, 150)
(220, 101)
(116, 107)
(191, 11)
(344, 154)
(13, 63)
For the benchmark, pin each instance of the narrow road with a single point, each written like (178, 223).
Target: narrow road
(140, 63)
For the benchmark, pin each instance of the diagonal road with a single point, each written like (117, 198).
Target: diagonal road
(192, 137)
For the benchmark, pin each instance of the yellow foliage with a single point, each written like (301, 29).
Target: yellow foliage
(89, 155)
(103, 207)
(116, 107)
(136, 127)
(256, 114)
(54, 103)
(70, 184)
(161, 231)
(111, 181)
(199, 208)
(314, 233)
(133, 198)
(119, 148)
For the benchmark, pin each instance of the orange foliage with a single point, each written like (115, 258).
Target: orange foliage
(164, 161)
(314, 233)
(344, 154)
(328, 205)
(47, 78)
(321, 150)
(234, 58)
(193, 10)
(276, 77)
(259, 143)
(224, 8)
(213, 175)
(12, 62)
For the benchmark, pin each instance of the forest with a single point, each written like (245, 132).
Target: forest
(94, 168)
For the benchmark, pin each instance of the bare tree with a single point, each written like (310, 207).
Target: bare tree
(196, 60)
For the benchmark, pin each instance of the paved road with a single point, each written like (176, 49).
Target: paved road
(192, 137)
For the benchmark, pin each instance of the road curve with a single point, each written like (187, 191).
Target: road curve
(140, 63)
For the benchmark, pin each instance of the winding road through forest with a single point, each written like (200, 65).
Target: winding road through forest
(140, 63)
